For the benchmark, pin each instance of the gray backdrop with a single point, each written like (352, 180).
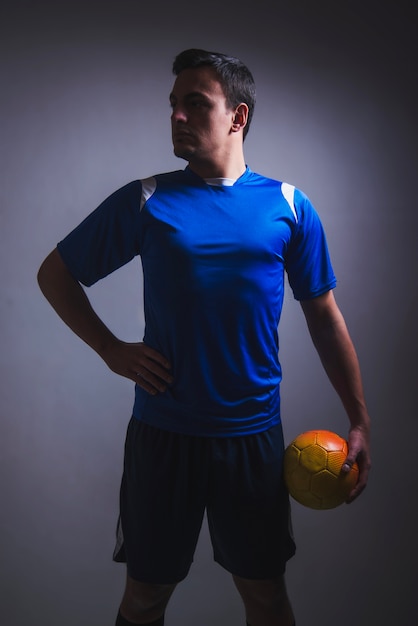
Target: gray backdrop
(84, 110)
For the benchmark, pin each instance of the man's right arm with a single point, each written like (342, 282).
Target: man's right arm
(135, 361)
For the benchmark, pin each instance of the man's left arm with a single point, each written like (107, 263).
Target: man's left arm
(338, 356)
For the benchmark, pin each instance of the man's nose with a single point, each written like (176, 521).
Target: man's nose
(178, 114)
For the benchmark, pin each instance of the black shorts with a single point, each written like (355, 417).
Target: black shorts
(170, 479)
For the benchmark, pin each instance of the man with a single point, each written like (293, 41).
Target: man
(215, 240)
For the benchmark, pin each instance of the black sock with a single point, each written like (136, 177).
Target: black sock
(294, 624)
(121, 621)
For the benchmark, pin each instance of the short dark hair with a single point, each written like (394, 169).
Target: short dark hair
(235, 77)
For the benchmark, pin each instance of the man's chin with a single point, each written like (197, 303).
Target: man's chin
(183, 152)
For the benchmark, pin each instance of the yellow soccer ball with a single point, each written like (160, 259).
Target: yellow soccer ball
(312, 469)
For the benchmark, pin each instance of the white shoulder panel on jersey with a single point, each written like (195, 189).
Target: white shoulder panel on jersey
(288, 192)
(148, 187)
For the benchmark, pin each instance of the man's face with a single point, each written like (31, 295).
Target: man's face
(201, 120)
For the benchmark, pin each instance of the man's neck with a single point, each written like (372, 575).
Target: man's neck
(228, 168)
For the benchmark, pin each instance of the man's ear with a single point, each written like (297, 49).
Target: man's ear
(240, 117)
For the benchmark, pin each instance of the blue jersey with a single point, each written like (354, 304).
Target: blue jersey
(214, 260)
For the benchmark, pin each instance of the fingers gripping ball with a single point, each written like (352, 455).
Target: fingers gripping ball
(312, 469)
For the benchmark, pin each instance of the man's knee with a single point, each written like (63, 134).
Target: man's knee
(266, 601)
(268, 590)
(145, 602)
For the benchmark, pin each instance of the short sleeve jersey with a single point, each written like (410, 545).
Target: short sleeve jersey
(214, 260)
